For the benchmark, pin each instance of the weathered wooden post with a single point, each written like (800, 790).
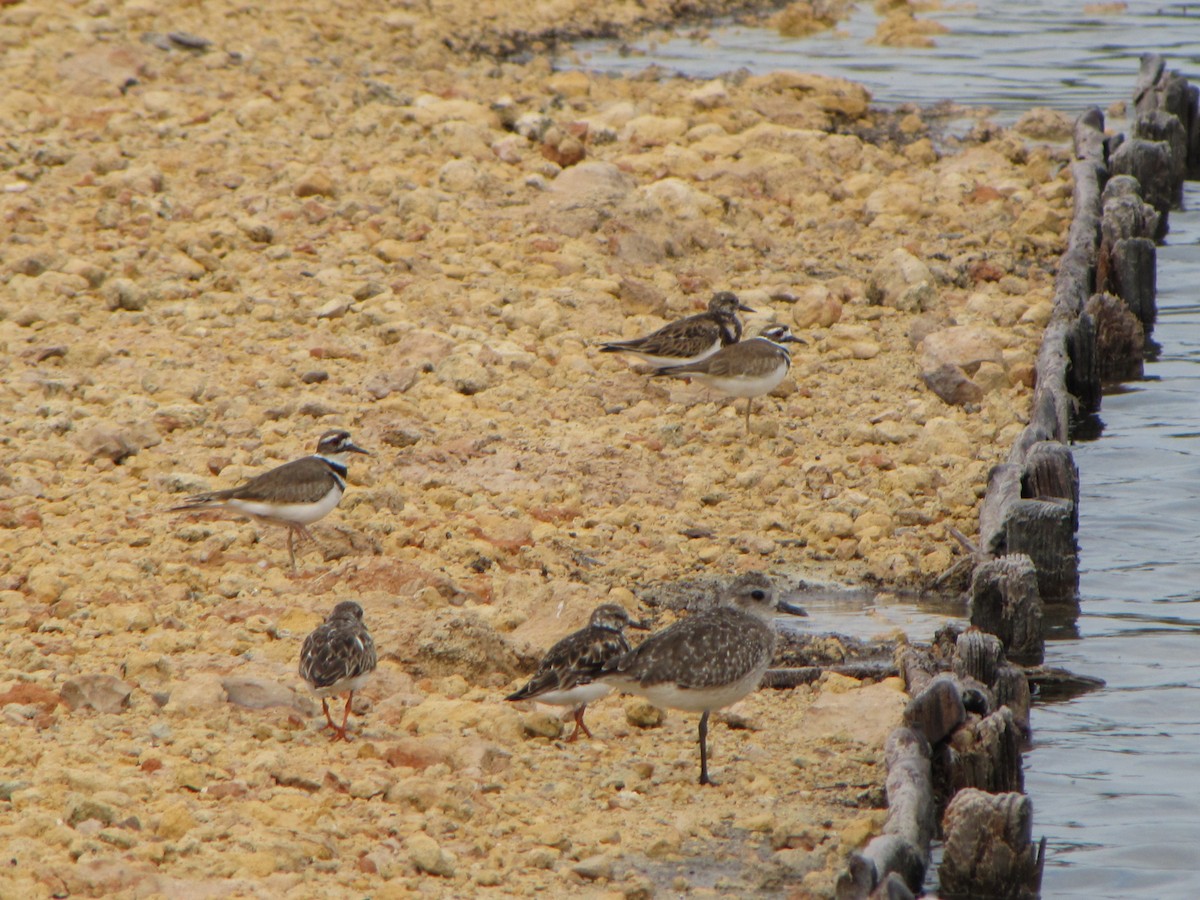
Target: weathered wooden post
(989, 850)
(1005, 602)
(1043, 530)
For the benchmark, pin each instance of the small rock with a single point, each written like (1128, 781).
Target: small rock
(901, 281)
(643, 713)
(594, 867)
(815, 305)
(540, 724)
(709, 95)
(83, 810)
(465, 374)
(257, 230)
(383, 384)
(315, 183)
(315, 376)
(427, 856)
(122, 293)
(951, 383)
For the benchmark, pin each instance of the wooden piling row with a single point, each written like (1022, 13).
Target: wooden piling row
(1104, 304)
(958, 753)
(963, 728)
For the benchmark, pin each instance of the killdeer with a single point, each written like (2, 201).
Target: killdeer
(709, 660)
(748, 369)
(337, 658)
(294, 495)
(689, 340)
(565, 674)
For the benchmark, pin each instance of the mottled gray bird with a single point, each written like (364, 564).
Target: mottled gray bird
(691, 339)
(710, 659)
(748, 369)
(336, 658)
(294, 495)
(566, 674)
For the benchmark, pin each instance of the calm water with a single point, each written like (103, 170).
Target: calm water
(1115, 774)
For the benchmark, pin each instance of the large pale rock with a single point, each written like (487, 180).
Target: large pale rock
(117, 442)
(901, 281)
(103, 693)
(200, 692)
(258, 693)
(965, 346)
(591, 183)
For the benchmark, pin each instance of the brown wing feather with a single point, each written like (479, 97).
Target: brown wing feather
(751, 358)
(333, 652)
(576, 659)
(680, 338)
(710, 649)
(299, 481)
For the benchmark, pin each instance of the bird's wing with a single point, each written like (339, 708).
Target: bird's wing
(576, 659)
(332, 653)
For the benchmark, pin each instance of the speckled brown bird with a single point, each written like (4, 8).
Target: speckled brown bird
(710, 659)
(336, 658)
(565, 676)
(691, 339)
(294, 495)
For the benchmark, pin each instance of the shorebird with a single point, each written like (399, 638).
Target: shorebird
(336, 659)
(294, 495)
(689, 340)
(565, 676)
(709, 660)
(748, 369)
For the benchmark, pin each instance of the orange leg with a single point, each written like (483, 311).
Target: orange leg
(329, 723)
(579, 726)
(340, 733)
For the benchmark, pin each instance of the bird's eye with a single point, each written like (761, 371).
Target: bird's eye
(759, 595)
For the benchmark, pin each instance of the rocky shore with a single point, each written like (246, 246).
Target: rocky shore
(226, 228)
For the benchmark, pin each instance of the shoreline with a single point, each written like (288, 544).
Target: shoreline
(334, 218)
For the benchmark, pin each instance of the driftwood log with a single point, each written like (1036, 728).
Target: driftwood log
(902, 849)
(989, 849)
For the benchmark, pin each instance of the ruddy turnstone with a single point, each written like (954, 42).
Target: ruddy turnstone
(295, 494)
(565, 675)
(689, 340)
(337, 658)
(748, 369)
(709, 660)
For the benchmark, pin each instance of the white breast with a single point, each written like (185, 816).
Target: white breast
(746, 385)
(300, 513)
(581, 693)
(669, 695)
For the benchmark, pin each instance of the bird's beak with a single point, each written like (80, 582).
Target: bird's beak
(743, 307)
(354, 448)
(792, 339)
(791, 609)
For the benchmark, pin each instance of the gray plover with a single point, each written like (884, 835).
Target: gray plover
(691, 339)
(748, 369)
(336, 658)
(710, 659)
(565, 676)
(294, 495)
